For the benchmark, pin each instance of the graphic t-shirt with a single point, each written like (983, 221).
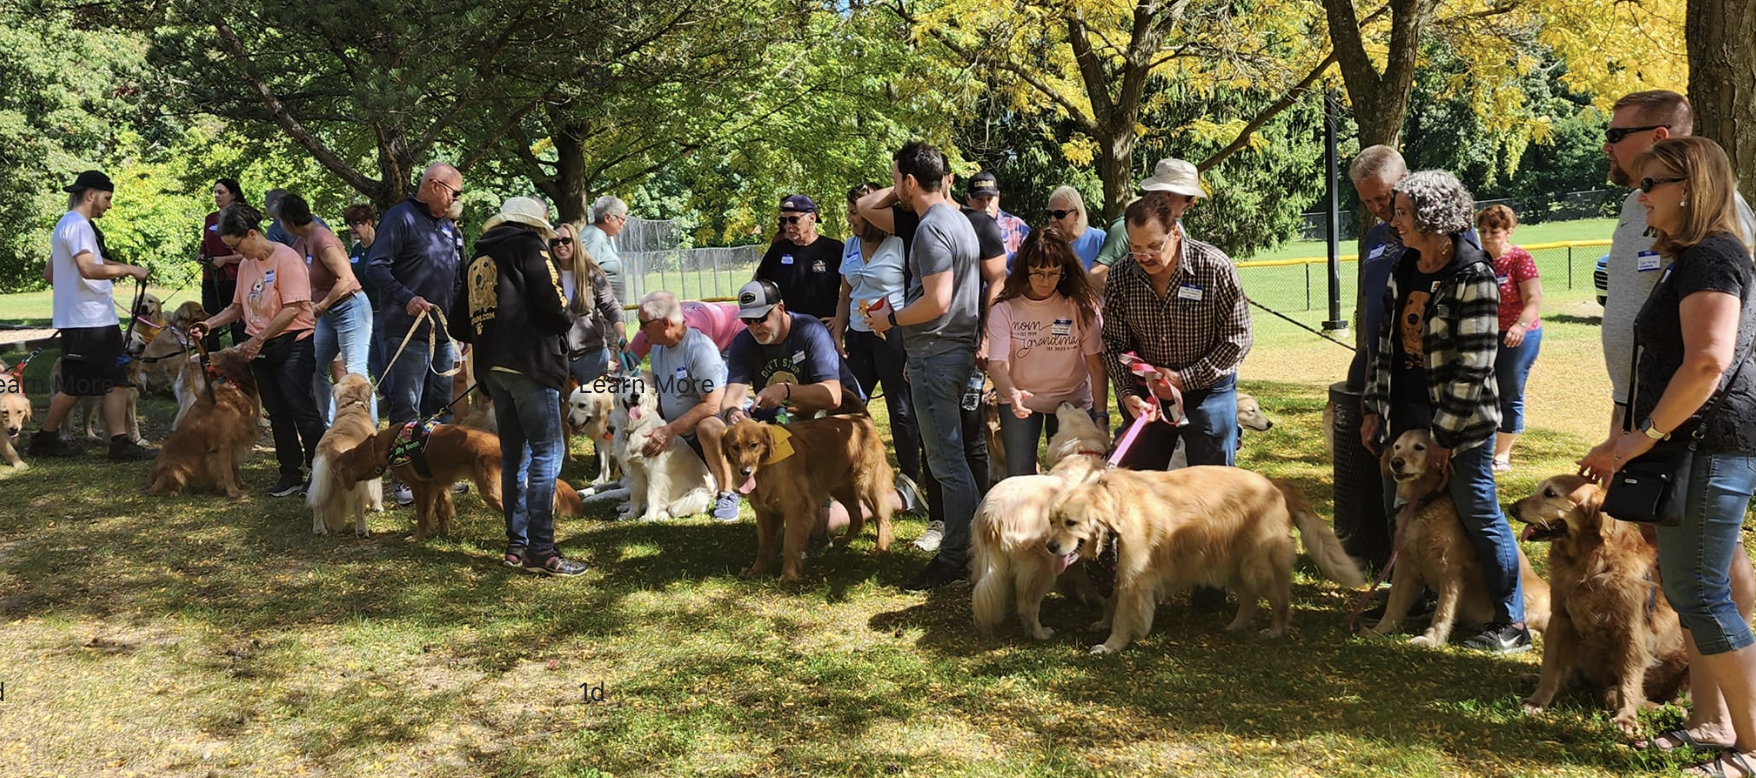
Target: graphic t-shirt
(267, 286)
(1044, 345)
(809, 276)
(806, 356)
(1414, 293)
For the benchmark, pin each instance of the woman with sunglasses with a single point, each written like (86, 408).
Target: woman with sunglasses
(597, 322)
(1693, 341)
(1067, 214)
(1045, 346)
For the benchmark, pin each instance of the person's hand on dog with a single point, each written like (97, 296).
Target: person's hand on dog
(1439, 459)
(1599, 463)
(1369, 426)
(250, 348)
(657, 441)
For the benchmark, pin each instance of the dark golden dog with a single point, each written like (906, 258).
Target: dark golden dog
(835, 456)
(215, 434)
(452, 453)
(1611, 629)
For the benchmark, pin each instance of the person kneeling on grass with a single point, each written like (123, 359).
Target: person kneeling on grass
(509, 302)
(690, 376)
(791, 362)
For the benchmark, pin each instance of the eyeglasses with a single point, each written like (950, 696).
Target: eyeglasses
(1148, 252)
(790, 220)
(1649, 184)
(559, 242)
(1055, 214)
(456, 194)
(1616, 134)
(231, 241)
(1046, 274)
(751, 321)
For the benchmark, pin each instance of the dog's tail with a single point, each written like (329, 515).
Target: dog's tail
(1320, 540)
(991, 574)
(324, 496)
(567, 502)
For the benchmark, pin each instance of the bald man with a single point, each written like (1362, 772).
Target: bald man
(413, 261)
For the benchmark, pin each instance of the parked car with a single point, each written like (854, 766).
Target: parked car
(1600, 278)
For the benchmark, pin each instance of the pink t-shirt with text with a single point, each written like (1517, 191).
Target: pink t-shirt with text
(1044, 345)
(267, 286)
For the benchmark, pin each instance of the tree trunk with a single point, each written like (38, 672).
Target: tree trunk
(1721, 36)
(570, 187)
(1116, 170)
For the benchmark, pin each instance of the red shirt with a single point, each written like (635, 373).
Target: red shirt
(212, 246)
(1510, 271)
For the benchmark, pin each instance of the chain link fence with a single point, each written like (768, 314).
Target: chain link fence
(653, 257)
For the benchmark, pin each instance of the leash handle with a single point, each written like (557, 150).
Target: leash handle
(1127, 441)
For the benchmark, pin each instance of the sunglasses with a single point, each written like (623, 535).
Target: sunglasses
(1055, 214)
(1649, 184)
(790, 220)
(751, 321)
(456, 194)
(1616, 134)
(559, 242)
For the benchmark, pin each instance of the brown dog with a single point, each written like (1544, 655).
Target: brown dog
(452, 453)
(836, 456)
(15, 413)
(1611, 629)
(332, 498)
(1434, 551)
(214, 436)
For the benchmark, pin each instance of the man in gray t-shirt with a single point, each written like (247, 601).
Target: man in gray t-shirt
(690, 377)
(940, 330)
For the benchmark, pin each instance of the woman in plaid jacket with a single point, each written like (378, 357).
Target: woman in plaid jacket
(1435, 369)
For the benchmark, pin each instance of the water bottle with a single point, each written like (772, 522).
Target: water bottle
(972, 394)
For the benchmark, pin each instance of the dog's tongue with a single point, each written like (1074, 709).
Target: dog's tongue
(1529, 530)
(1063, 562)
(748, 486)
(634, 412)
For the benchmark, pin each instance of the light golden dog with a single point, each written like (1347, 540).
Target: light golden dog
(215, 436)
(15, 413)
(835, 456)
(1203, 525)
(1434, 552)
(331, 498)
(157, 365)
(149, 317)
(674, 483)
(1010, 559)
(588, 413)
(1611, 629)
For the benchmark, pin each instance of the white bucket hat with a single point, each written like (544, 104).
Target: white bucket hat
(528, 211)
(1175, 176)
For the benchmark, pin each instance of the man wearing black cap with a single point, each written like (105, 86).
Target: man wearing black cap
(806, 266)
(85, 313)
(984, 196)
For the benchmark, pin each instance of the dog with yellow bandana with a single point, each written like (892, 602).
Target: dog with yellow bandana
(789, 471)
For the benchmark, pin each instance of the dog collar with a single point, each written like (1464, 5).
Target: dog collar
(783, 444)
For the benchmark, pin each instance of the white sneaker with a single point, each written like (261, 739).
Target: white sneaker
(929, 540)
(404, 496)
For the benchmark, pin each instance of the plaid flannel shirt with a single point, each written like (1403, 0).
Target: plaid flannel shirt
(1459, 341)
(1199, 328)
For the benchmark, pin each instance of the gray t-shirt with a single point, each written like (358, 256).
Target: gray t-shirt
(597, 245)
(945, 241)
(686, 373)
(1633, 270)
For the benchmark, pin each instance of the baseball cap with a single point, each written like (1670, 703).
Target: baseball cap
(757, 298)
(984, 185)
(91, 179)
(799, 203)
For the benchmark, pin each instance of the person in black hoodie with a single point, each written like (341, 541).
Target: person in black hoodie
(509, 304)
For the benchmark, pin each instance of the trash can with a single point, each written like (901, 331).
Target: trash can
(1359, 493)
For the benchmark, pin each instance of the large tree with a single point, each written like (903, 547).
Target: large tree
(1722, 79)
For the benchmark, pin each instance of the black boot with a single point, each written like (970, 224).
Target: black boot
(49, 444)
(124, 450)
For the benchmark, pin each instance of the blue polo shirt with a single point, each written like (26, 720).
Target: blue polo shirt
(415, 253)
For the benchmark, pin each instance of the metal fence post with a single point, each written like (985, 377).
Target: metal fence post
(1569, 268)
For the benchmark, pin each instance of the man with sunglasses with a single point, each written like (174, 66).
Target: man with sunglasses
(805, 266)
(413, 262)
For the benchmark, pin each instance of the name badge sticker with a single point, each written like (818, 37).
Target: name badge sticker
(786, 259)
(1376, 252)
(1647, 261)
(682, 372)
(1061, 327)
(1502, 280)
(268, 277)
(1189, 292)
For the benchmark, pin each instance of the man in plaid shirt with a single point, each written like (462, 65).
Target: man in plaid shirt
(1176, 304)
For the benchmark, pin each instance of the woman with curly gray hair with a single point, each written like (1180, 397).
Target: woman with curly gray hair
(1435, 370)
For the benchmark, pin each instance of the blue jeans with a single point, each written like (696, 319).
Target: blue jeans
(529, 417)
(409, 374)
(376, 355)
(346, 330)
(1694, 556)
(590, 367)
(937, 383)
(1210, 437)
(1020, 437)
(878, 360)
(1511, 368)
(1478, 507)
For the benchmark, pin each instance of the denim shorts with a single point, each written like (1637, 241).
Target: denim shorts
(1695, 557)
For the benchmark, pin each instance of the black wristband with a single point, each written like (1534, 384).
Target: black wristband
(892, 318)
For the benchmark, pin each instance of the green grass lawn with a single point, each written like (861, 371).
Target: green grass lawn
(198, 636)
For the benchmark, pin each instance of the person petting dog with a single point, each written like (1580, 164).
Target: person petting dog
(509, 304)
(85, 313)
(690, 376)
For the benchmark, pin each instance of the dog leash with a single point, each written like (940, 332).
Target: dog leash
(1409, 511)
(430, 312)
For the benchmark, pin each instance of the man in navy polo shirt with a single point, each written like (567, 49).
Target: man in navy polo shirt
(413, 262)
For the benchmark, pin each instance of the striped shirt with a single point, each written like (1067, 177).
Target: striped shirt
(1200, 327)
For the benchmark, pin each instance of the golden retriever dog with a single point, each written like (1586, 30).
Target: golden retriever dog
(1250, 417)
(588, 413)
(215, 436)
(149, 317)
(673, 484)
(190, 385)
(1010, 562)
(15, 413)
(835, 456)
(1611, 629)
(453, 452)
(1434, 552)
(156, 366)
(331, 499)
(1204, 525)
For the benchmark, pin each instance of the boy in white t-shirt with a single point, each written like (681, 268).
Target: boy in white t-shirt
(85, 313)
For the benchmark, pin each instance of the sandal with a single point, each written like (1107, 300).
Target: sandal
(514, 558)
(1680, 736)
(1717, 767)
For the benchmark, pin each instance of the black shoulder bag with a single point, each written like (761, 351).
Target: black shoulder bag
(1651, 488)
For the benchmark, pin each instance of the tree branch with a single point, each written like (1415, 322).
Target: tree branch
(1286, 101)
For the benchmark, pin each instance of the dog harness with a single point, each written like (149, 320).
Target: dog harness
(1102, 570)
(783, 444)
(410, 445)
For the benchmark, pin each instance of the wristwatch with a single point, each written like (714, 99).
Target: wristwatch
(1652, 432)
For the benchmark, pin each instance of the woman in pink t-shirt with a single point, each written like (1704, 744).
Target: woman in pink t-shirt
(1521, 333)
(1044, 346)
(274, 301)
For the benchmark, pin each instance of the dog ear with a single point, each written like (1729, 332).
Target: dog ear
(1590, 499)
(1384, 460)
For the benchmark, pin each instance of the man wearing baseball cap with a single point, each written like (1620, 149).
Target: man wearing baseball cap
(805, 266)
(984, 196)
(1172, 175)
(85, 313)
